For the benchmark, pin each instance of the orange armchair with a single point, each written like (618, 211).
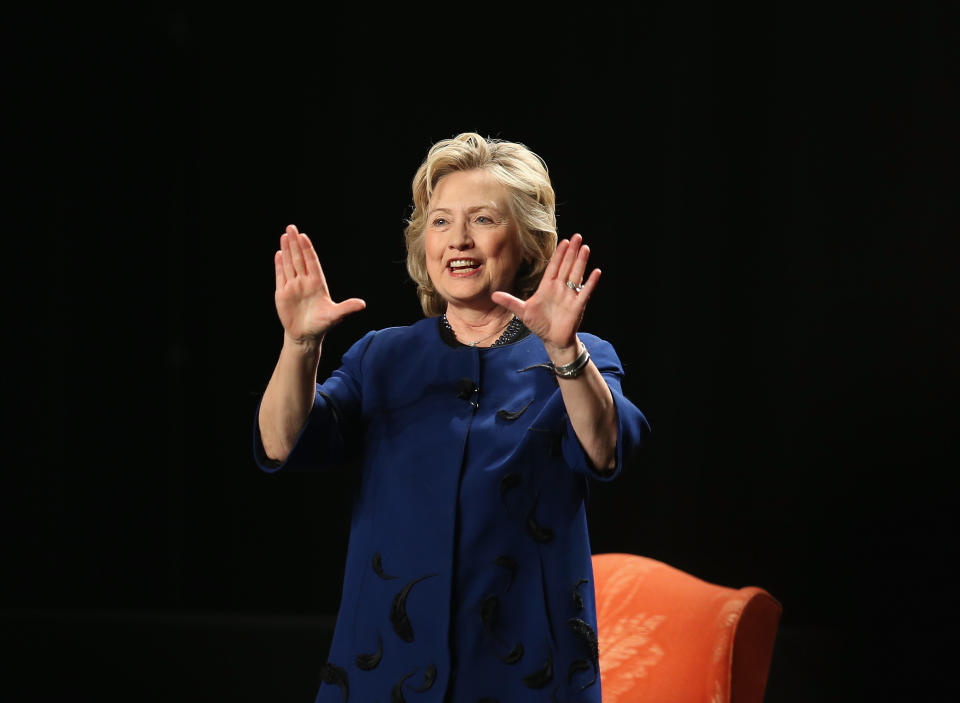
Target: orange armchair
(667, 636)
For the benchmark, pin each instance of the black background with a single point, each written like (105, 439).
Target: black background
(770, 191)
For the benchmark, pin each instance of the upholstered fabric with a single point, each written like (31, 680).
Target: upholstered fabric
(668, 636)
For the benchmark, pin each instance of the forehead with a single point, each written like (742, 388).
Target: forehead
(472, 188)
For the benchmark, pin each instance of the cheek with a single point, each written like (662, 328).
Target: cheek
(433, 249)
(508, 250)
(433, 253)
(506, 246)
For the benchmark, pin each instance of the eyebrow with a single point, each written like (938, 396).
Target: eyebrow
(472, 208)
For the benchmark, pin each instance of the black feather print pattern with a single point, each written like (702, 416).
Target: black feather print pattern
(587, 636)
(396, 693)
(398, 610)
(540, 533)
(553, 441)
(575, 594)
(514, 655)
(505, 414)
(548, 367)
(507, 483)
(541, 677)
(576, 667)
(335, 676)
(378, 567)
(367, 662)
(581, 628)
(429, 676)
(488, 612)
(510, 564)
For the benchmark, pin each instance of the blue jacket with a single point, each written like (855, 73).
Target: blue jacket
(468, 574)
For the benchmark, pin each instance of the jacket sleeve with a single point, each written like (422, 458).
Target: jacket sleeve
(632, 426)
(323, 441)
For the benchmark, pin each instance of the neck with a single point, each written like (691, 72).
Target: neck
(481, 326)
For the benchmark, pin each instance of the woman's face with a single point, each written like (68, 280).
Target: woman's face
(472, 242)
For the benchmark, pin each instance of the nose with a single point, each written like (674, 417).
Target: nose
(460, 237)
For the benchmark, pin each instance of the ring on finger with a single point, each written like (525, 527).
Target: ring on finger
(574, 287)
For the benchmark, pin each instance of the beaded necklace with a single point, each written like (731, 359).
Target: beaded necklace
(510, 333)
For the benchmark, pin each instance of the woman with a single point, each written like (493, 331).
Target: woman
(468, 574)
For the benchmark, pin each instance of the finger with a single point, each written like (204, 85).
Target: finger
(288, 269)
(310, 259)
(278, 266)
(514, 305)
(291, 230)
(579, 265)
(296, 255)
(553, 268)
(589, 286)
(569, 256)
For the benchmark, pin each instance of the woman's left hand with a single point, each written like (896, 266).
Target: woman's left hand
(555, 310)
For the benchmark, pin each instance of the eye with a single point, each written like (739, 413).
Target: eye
(484, 220)
(439, 222)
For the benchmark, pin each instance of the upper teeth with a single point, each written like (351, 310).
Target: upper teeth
(461, 262)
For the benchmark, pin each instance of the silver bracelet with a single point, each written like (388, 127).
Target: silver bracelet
(575, 367)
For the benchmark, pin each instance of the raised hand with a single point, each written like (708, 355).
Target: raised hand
(303, 300)
(555, 310)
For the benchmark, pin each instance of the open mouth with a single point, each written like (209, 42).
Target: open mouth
(463, 266)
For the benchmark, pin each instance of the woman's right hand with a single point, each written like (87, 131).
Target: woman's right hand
(303, 300)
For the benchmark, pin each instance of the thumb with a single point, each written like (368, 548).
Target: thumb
(348, 307)
(514, 305)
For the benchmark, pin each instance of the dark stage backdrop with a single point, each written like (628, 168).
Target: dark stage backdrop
(770, 192)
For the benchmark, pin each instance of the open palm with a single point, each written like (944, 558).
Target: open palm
(303, 300)
(555, 310)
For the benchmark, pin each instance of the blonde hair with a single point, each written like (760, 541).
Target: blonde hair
(532, 203)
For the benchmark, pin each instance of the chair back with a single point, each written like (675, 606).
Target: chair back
(666, 635)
